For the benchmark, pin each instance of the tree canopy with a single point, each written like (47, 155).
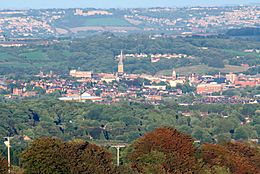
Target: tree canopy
(169, 149)
(50, 155)
(238, 157)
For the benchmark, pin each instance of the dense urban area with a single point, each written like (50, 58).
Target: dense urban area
(174, 90)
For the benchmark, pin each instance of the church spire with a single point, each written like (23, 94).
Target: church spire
(121, 64)
(174, 75)
(121, 58)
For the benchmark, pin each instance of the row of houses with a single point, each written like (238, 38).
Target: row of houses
(215, 84)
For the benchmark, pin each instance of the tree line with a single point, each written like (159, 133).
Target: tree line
(163, 150)
(29, 119)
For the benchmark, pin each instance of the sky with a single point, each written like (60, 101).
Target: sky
(21, 4)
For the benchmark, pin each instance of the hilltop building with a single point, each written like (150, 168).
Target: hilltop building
(120, 69)
(81, 74)
(80, 12)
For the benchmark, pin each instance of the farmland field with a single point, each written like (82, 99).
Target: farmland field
(204, 69)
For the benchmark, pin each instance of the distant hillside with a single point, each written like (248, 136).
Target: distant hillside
(97, 53)
(47, 23)
(244, 32)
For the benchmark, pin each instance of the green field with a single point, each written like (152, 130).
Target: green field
(75, 21)
(4, 57)
(241, 53)
(29, 60)
(35, 55)
(204, 69)
(106, 22)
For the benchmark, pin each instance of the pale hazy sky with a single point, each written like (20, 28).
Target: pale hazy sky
(115, 3)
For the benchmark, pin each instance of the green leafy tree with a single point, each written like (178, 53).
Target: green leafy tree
(39, 90)
(44, 156)
(245, 133)
(201, 134)
(49, 155)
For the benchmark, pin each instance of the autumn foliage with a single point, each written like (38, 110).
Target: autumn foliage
(49, 155)
(166, 148)
(162, 151)
(249, 151)
(3, 165)
(239, 158)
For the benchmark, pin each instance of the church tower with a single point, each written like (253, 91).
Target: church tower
(120, 69)
(174, 75)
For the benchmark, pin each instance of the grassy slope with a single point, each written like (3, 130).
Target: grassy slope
(75, 21)
(35, 55)
(27, 59)
(203, 69)
(106, 22)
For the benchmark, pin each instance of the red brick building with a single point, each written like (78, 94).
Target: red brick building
(209, 88)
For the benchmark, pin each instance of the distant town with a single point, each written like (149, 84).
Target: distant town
(180, 21)
(21, 28)
(107, 88)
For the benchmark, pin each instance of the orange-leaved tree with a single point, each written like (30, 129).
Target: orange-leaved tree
(165, 148)
(250, 151)
(229, 156)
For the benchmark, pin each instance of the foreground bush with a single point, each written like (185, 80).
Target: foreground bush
(49, 155)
